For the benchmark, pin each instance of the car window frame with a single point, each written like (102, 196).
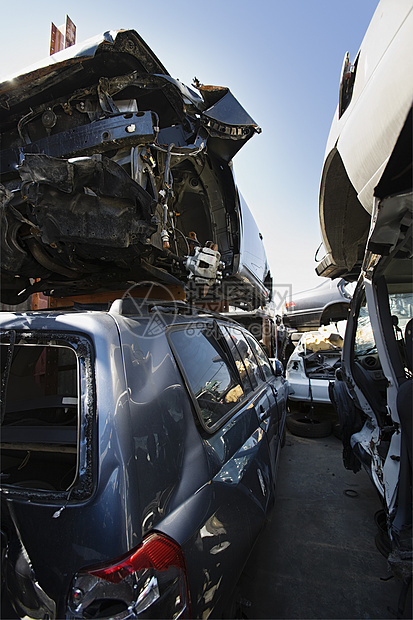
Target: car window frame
(249, 337)
(359, 381)
(245, 335)
(229, 361)
(361, 300)
(385, 317)
(246, 382)
(84, 480)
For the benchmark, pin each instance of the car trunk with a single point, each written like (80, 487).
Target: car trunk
(321, 355)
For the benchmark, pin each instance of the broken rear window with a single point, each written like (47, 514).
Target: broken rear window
(41, 418)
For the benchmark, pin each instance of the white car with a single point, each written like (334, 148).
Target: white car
(366, 220)
(312, 366)
(373, 115)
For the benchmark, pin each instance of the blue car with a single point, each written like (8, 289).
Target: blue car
(140, 447)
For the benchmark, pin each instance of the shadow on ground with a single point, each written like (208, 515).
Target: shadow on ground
(317, 556)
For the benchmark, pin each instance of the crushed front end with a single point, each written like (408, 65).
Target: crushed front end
(113, 172)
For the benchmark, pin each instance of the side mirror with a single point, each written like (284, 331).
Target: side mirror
(278, 368)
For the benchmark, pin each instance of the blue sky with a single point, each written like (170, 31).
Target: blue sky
(281, 58)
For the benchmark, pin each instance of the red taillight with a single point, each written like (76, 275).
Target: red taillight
(151, 579)
(289, 304)
(156, 551)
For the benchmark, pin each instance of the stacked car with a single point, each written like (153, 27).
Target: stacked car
(366, 212)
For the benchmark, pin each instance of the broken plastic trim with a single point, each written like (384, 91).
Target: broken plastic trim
(153, 575)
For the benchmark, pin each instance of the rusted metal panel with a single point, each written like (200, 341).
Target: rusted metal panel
(70, 36)
(57, 41)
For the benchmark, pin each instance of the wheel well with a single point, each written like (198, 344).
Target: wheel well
(343, 220)
(335, 312)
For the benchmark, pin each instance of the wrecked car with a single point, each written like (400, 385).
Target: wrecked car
(113, 172)
(140, 448)
(328, 302)
(310, 370)
(373, 118)
(366, 211)
(313, 364)
(373, 390)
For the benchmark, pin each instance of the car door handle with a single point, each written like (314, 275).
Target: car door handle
(263, 414)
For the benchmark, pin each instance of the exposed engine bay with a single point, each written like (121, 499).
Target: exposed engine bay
(113, 172)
